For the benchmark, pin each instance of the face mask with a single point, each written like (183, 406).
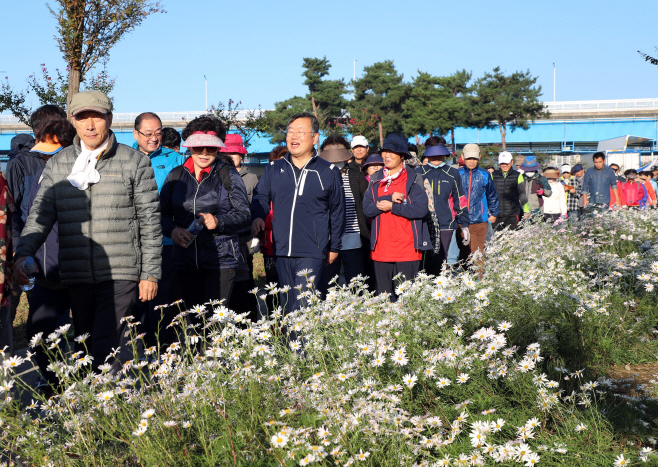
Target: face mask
(530, 174)
(437, 166)
(340, 165)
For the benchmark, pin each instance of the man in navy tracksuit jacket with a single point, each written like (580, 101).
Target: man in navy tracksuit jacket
(444, 184)
(307, 199)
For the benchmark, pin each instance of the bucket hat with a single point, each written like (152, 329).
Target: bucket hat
(397, 143)
(437, 150)
(550, 172)
(202, 139)
(372, 160)
(336, 154)
(530, 164)
(233, 143)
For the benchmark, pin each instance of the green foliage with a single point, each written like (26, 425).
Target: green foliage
(363, 122)
(459, 366)
(382, 91)
(326, 95)
(436, 105)
(48, 89)
(649, 58)
(277, 119)
(499, 100)
(88, 29)
(247, 123)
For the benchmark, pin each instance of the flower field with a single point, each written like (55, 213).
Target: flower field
(509, 369)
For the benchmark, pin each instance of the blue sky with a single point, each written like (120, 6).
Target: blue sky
(252, 51)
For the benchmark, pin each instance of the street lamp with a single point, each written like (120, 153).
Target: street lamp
(204, 77)
(553, 82)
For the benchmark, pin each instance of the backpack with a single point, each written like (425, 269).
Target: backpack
(224, 174)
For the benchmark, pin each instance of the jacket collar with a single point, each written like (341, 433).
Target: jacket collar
(313, 158)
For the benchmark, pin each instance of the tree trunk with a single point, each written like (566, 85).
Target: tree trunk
(74, 83)
(315, 109)
(381, 133)
(452, 135)
(503, 132)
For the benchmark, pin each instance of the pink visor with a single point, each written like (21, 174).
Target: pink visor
(201, 139)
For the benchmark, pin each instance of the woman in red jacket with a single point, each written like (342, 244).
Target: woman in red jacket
(632, 192)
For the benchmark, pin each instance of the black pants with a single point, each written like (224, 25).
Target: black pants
(155, 321)
(434, 261)
(47, 308)
(551, 217)
(241, 300)
(197, 287)
(384, 273)
(504, 221)
(352, 261)
(97, 309)
(288, 268)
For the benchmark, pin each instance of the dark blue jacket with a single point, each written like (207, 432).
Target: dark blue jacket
(20, 174)
(480, 193)
(449, 201)
(415, 209)
(308, 205)
(181, 202)
(47, 257)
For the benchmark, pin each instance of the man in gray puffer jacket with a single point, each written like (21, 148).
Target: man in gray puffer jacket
(104, 196)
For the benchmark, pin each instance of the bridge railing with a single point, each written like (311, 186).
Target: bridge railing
(129, 117)
(619, 105)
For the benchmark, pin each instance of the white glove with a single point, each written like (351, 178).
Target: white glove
(467, 236)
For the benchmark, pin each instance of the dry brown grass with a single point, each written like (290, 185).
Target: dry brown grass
(20, 324)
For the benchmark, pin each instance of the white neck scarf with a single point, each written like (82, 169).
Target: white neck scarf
(388, 178)
(84, 170)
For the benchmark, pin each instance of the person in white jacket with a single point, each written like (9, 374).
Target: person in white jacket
(555, 206)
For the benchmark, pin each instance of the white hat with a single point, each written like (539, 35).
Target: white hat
(565, 168)
(359, 141)
(505, 157)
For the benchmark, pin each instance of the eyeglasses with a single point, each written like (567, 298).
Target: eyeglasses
(300, 134)
(157, 134)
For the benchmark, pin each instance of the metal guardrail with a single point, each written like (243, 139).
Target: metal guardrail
(562, 107)
(124, 118)
(619, 105)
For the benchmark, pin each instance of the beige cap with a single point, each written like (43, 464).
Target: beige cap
(90, 101)
(471, 151)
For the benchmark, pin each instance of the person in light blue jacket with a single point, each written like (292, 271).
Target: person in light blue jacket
(148, 140)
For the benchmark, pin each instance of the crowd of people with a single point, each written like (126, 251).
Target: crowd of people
(118, 230)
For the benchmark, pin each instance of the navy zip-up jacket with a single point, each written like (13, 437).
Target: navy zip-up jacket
(415, 209)
(308, 205)
(47, 257)
(449, 201)
(480, 193)
(20, 174)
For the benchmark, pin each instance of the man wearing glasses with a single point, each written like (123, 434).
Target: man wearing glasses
(148, 140)
(307, 199)
(615, 169)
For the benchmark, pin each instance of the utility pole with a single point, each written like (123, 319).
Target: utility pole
(204, 77)
(553, 82)
(353, 80)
